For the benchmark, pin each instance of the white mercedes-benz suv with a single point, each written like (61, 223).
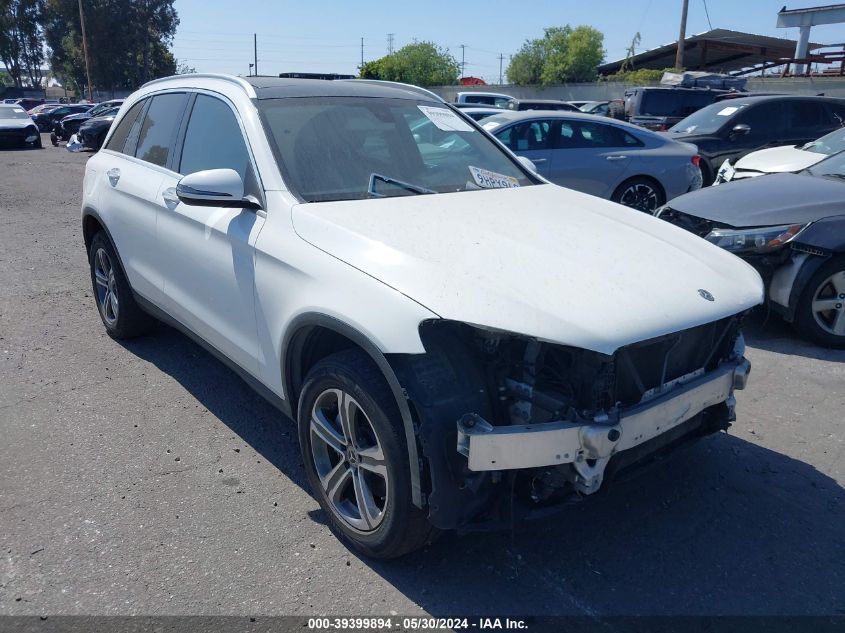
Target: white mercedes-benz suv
(461, 343)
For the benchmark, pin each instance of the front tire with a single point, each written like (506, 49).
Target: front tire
(121, 315)
(356, 459)
(821, 308)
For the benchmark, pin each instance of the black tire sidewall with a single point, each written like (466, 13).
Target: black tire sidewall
(334, 373)
(637, 180)
(805, 319)
(131, 320)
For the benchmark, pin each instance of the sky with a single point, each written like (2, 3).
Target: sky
(325, 36)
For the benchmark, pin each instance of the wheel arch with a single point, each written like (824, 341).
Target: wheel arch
(92, 223)
(313, 336)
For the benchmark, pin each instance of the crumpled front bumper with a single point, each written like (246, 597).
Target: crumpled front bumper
(589, 447)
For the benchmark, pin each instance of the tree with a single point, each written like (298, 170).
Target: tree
(420, 64)
(22, 40)
(128, 41)
(526, 66)
(562, 54)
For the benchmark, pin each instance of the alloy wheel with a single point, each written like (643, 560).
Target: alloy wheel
(106, 286)
(349, 460)
(829, 304)
(640, 196)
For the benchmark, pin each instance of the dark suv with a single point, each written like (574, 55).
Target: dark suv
(659, 108)
(730, 129)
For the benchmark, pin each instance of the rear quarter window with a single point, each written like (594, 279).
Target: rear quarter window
(118, 139)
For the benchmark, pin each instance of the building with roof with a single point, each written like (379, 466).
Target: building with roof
(718, 50)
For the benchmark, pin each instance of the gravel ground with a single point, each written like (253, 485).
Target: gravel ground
(145, 478)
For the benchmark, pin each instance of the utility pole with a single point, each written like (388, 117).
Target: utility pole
(679, 56)
(85, 52)
(362, 52)
(255, 51)
(390, 43)
(463, 60)
(501, 59)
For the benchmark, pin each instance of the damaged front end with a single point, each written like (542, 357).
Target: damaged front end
(510, 426)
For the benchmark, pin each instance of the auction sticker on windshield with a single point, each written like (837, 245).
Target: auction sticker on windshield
(492, 180)
(445, 120)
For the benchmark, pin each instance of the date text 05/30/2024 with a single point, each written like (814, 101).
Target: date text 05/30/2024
(415, 624)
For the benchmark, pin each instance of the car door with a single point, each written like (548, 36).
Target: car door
(207, 253)
(531, 139)
(767, 122)
(132, 184)
(808, 119)
(591, 157)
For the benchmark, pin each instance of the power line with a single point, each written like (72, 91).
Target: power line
(707, 13)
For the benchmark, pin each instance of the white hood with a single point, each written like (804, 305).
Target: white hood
(779, 159)
(543, 261)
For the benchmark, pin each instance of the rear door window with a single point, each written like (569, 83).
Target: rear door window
(158, 132)
(806, 116)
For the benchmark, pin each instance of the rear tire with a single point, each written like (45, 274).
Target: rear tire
(121, 315)
(356, 459)
(820, 316)
(640, 193)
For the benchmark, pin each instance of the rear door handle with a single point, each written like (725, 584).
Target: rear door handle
(114, 176)
(538, 160)
(616, 157)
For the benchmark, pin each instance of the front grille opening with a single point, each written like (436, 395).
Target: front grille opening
(650, 364)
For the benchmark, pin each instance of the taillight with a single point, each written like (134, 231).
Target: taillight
(696, 160)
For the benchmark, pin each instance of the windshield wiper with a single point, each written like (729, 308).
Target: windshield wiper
(840, 176)
(407, 186)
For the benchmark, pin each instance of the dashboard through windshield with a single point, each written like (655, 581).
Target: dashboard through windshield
(348, 148)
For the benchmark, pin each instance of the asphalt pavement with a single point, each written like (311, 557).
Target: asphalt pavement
(146, 478)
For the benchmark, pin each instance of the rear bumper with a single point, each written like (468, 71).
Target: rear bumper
(589, 447)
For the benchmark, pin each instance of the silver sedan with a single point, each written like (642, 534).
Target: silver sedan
(600, 156)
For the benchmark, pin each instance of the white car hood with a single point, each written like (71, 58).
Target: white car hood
(779, 159)
(543, 261)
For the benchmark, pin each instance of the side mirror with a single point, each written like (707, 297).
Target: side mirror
(740, 129)
(215, 188)
(528, 164)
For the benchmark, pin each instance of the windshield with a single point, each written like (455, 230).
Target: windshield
(832, 167)
(708, 120)
(832, 143)
(15, 112)
(348, 148)
(100, 109)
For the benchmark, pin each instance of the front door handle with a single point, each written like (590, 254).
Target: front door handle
(616, 157)
(114, 176)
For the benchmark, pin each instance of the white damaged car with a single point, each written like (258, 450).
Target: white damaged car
(784, 159)
(460, 343)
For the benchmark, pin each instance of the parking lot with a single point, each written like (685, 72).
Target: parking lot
(146, 477)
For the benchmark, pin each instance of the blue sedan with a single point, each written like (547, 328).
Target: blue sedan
(600, 156)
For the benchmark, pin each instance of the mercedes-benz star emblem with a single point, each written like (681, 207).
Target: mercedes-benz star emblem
(706, 295)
